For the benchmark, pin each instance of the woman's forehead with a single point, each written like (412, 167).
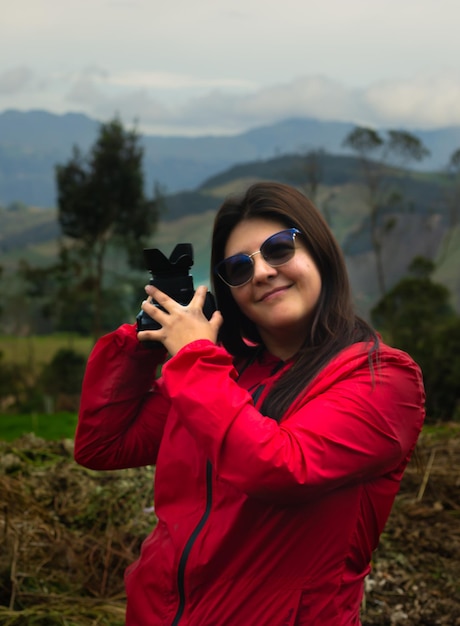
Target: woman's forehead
(248, 235)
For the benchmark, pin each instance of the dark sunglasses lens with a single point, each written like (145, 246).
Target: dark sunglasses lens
(236, 270)
(279, 248)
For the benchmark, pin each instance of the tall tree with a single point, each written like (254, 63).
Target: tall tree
(101, 203)
(313, 167)
(378, 155)
(314, 172)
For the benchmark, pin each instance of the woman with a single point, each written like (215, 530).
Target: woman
(280, 429)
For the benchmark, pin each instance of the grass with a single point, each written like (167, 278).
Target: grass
(441, 431)
(32, 353)
(53, 427)
(35, 351)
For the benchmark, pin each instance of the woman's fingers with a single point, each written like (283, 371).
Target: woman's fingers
(169, 304)
(180, 324)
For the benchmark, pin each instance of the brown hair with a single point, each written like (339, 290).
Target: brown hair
(335, 324)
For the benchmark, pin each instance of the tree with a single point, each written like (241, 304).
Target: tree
(13, 384)
(101, 203)
(378, 155)
(313, 167)
(416, 316)
(442, 372)
(412, 307)
(1, 304)
(59, 296)
(314, 172)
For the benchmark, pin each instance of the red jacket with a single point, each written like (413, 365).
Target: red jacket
(259, 523)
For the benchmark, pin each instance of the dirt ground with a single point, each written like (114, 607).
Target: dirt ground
(67, 534)
(416, 569)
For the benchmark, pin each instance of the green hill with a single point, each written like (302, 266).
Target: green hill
(420, 221)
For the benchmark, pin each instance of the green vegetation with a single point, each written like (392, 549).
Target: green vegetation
(52, 427)
(45, 377)
(101, 202)
(416, 316)
(435, 433)
(35, 351)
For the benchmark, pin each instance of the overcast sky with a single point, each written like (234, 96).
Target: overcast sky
(223, 66)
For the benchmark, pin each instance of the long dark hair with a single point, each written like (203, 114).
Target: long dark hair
(335, 324)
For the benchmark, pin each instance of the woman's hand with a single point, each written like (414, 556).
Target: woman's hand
(180, 325)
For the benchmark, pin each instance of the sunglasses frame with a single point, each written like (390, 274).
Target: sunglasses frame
(293, 231)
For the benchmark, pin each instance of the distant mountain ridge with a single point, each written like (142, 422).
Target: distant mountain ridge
(33, 142)
(419, 226)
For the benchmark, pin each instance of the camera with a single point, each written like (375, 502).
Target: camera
(172, 276)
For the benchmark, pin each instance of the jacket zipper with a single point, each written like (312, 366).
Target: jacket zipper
(193, 537)
(189, 545)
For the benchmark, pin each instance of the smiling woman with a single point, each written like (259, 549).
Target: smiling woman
(279, 289)
(280, 429)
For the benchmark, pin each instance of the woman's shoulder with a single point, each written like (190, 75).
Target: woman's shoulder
(373, 351)
(370, 359)
(361, 368)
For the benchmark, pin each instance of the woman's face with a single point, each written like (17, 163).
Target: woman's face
(279, 300)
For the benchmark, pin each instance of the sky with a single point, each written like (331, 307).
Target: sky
(200, 67)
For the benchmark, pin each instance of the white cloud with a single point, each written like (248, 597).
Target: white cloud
(315, 96)
(15, 80)
(170, 80)
(168, 103)
(418, 103)
(422, 101)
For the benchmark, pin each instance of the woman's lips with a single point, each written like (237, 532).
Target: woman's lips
(273, 292)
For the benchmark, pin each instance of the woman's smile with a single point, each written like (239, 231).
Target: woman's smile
(273, 293)
(279, 300)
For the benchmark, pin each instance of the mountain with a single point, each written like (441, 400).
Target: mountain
(418, 224)
(32, 143)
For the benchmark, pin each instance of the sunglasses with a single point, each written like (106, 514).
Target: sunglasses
(237, 270)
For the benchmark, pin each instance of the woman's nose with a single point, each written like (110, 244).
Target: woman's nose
(262, 269)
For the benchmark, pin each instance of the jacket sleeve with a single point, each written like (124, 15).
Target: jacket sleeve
(353, 424)
(117, 427)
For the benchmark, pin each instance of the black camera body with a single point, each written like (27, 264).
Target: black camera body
(172, 276)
